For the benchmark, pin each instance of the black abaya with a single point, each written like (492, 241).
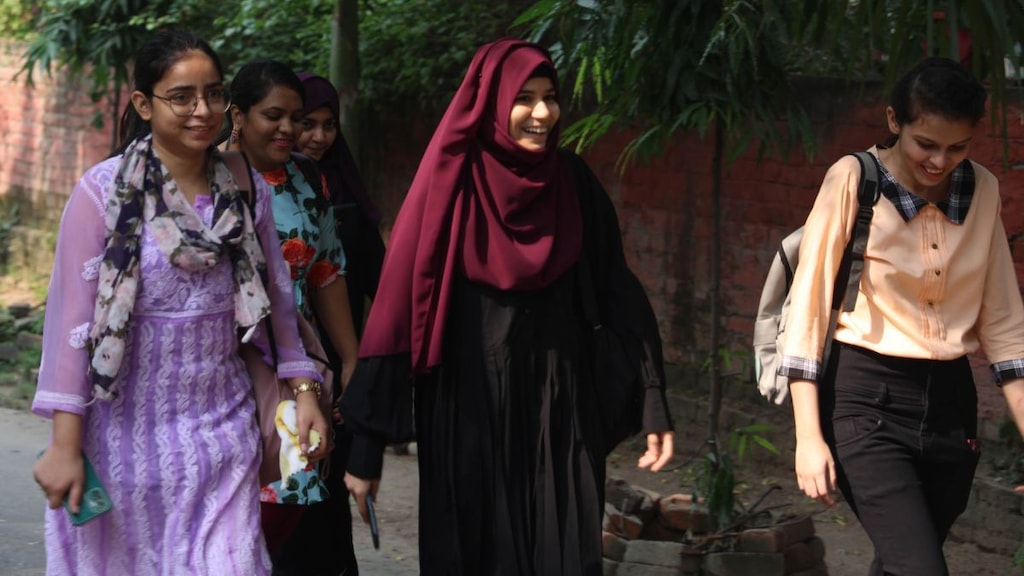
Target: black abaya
(509, 440)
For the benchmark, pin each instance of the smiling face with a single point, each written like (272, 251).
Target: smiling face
(269, 130)
(319, 130)
(534, 114)
(927, 151)
(193, 74)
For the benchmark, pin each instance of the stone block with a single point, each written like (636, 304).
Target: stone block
(744, 564)
(8, 352)
(761, 540)
(625, 525)
(667, 554)
(655, 530)
(609, 567)
(626, 569)
(804, 555)
(818, 570)
(797, 530)
(612, 547)
(623, 496)
(28, 341)
(692, 560)
(648, 507)
(19, 310)
(679, 512)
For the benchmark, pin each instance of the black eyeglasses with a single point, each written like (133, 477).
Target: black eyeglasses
(183, 104)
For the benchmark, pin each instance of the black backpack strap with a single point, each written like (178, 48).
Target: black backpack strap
(852, 265)
(238, 163)
(867, 196)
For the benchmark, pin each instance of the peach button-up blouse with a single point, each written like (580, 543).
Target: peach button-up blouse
(938, 280)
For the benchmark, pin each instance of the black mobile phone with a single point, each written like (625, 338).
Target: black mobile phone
(372, 513)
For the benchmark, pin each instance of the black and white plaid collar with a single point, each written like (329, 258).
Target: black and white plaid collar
(955, 206)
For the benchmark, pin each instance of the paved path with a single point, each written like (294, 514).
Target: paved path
(23, 435)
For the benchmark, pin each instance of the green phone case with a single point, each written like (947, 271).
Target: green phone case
(95, 500)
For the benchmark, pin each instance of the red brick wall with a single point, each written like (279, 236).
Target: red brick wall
(664, 205)
(48, 136)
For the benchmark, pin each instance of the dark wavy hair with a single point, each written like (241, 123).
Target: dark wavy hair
(151, 63)
(938, 86)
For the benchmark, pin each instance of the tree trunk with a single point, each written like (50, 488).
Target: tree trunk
(345, 67)
(714, 372)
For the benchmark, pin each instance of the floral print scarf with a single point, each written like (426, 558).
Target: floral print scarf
(144, 194)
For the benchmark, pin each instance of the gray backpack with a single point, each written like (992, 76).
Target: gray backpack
(773, 308)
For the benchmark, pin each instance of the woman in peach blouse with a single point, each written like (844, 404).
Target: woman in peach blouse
(893, 423)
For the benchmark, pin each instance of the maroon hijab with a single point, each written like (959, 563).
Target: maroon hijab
(338, 165)
(480, 205)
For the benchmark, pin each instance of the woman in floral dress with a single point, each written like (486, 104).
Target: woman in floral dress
(267, 114)
(155, 277)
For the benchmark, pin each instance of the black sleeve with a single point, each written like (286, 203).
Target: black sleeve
(621, 298)
(377, 407)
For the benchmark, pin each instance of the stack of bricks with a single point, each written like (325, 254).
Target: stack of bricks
(646, 534)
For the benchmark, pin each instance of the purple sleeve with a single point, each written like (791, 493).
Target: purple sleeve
(63, 372)
(291, 356)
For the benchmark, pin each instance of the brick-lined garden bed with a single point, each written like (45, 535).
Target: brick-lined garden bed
(647, 534)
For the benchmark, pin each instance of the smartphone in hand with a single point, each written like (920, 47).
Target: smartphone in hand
(372, 513)
(95, 500)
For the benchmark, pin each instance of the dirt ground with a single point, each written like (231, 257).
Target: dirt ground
(848, 550)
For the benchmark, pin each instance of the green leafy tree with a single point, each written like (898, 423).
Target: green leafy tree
(387, 54)
(415, 52)
(98, 39)
(297, 32)
(16, 19)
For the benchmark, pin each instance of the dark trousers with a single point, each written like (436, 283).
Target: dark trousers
(899, 431)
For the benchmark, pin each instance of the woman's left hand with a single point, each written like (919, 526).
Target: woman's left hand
(309, 417)
(659, 450)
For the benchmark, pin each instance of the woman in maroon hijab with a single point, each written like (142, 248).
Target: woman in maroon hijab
(481, 310)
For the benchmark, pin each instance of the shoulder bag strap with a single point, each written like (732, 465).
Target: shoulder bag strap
(238, 163)
(852, 265)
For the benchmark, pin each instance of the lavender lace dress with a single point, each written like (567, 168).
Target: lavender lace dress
(178, 450)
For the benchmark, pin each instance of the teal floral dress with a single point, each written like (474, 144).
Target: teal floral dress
(315, 258)
(306, 229)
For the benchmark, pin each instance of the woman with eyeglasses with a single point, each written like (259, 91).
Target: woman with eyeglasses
(156, 275)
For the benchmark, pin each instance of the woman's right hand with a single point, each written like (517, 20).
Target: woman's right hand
(815, 469)
(359, 488)
(60, 471)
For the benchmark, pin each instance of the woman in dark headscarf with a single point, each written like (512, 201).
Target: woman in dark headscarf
(358, 220)
(483, 309)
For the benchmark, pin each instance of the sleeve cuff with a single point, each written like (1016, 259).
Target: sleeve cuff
(797, 368)
(366, 457)
(1008, 370)
(656, 415)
